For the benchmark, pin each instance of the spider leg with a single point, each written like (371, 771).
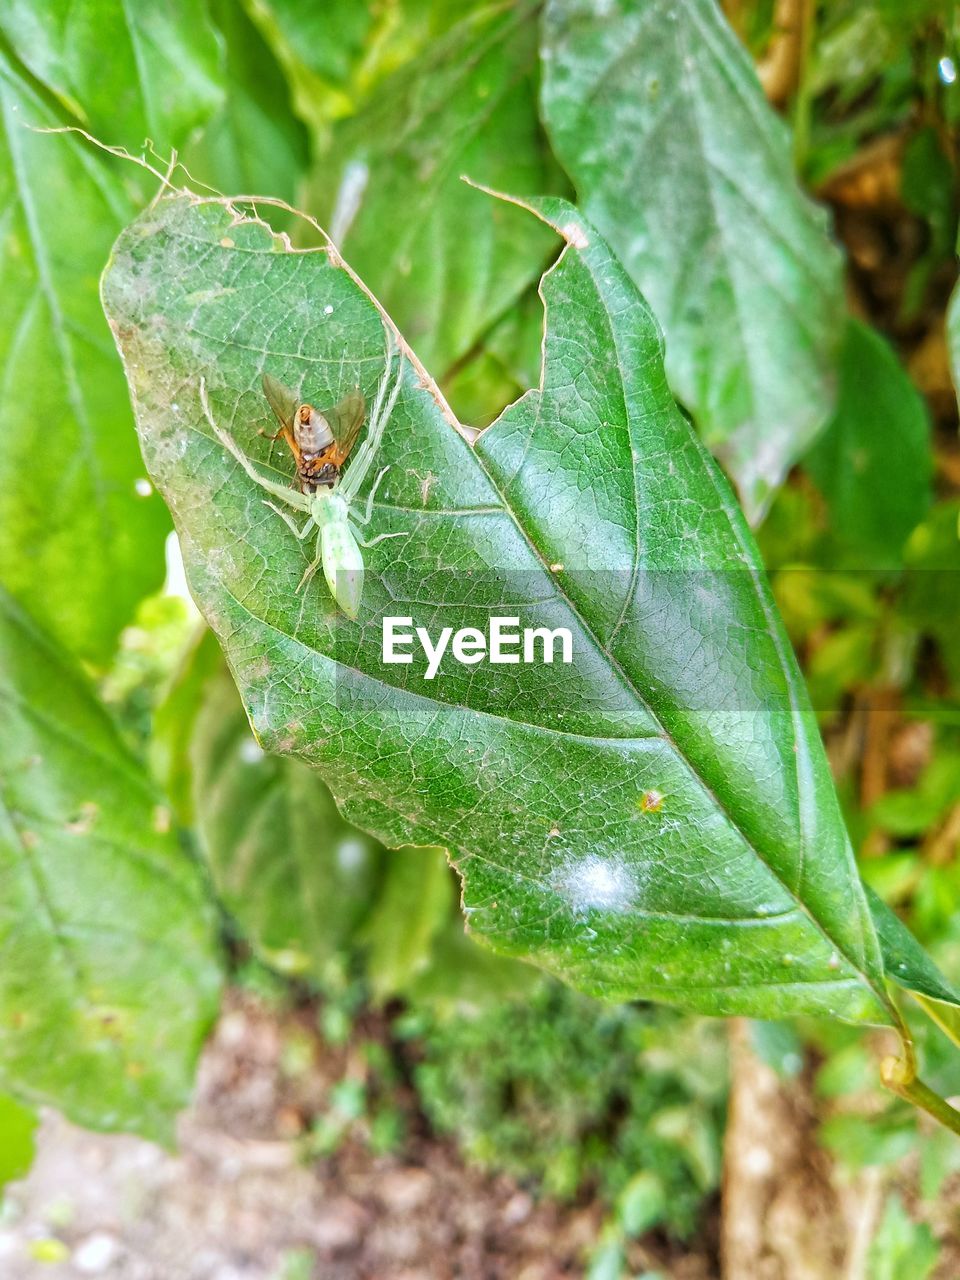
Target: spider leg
(311, 568)
(377, 409)
(290, 496)
(381, 537)
(289, 521)
(368, 509)
(379, 418)
(272, 436)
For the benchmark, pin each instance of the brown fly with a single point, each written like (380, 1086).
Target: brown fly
(320, 440)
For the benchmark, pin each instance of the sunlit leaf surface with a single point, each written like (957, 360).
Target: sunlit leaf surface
(126, 71)
(81, 533)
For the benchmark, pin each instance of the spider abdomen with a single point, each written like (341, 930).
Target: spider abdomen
(342, 565)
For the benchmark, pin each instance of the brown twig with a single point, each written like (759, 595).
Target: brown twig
(779, 70)
(882, 706)
(942, 843)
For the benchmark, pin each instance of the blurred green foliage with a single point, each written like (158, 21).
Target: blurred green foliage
(573, 1095)
(18, 1124)
(902, 1246)
(366, 115)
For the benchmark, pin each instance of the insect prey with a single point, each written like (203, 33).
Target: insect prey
(320, 443)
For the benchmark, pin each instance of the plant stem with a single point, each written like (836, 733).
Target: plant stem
(803, 101)
(897, 1076)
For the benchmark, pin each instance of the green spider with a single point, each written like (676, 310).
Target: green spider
(329, 508)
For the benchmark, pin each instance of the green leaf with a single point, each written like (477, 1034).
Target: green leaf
(336, 54)
(78, 545)
(642, 1203)
(655, 112)
(872, 464)
(902, 1246)
(608, 1261)
(461, 977)
(252, 143)
(300, 882)
(504, 363)
(928, 188)
(297, 878)
(18, 1124)
(911, 811)
(444, 260)
(911, 968)
(931, 596)
(480, 389)
(175, 717)
(654, 820)
(110, 976)
(126, 71)
(319, 46)
(413, 908)
(516, 339)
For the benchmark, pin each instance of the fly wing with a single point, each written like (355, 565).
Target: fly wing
(346, 419)
(283, 402)
(281, 399)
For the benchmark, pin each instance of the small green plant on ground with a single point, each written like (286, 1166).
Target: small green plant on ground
(570, 1095)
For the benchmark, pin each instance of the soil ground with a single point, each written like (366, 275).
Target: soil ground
(238, 1201)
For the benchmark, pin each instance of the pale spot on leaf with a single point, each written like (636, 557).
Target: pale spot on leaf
(594, 883)
(575, 235)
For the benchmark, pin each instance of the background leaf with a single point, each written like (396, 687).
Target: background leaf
(410, 915)
(320, 48)
(462, 976)
(336, 55)
(110, 977)
(501, 366)
(606, 816)
(655, 112)
(82, 559)
(127, 72)
(931, 599)
(252, 143)
(297, 878)
(18, 1124)
(901, 1243)
(444, 260)
(175, 718)
(872, 464)
(328, 41)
